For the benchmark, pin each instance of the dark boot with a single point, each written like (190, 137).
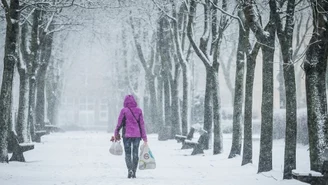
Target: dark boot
(130, 174)
(135, 166)
(134, 174)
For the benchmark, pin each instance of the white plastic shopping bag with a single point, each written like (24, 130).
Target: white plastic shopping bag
(116, 148)
(146, 158)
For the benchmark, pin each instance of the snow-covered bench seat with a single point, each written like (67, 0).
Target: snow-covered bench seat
(52, 128)
(198, 146)
(17, 148)
(313, 177)
(190, 135)
(38, 135)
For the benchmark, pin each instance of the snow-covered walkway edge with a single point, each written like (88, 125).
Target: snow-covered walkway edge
(82, 158)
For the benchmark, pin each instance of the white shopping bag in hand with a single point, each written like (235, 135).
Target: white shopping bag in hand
(146, 158)
(116, 148)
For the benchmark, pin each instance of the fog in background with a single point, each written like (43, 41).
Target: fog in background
(92, 50)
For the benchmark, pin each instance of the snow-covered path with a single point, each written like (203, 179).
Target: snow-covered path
(82, 158)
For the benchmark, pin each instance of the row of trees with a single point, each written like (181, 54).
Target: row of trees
(197, 28)
(32, 49)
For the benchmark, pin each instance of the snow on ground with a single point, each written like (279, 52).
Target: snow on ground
(82, 158)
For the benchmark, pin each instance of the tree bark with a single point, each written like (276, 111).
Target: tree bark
(226, 66)
(267, 38)
(150, 79)
(180, 19)
(248, 108)
(315, 65)
(218, 136)
(22, 127)
(265, 161)
(164, 37)
(175, 114)
(46, 50)
(217, 34)
(286, 41)
(54, 88)
(33, 66)
(10, 58)
(201, 53)
(281, 88)
(160, 105)
(238, 95)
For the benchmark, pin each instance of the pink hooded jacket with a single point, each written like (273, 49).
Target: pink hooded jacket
(128, 122)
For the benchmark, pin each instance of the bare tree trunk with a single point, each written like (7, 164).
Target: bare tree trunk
(208, 105)
(160, 105)
(315, 66)
(10, 58)
(218, 136)
(40, 97)
(267, 38)
(46, 50)
(286, 42)
(201, 52)
(265, 161)
(179, 45)
(217, 34)
(281, 88)
(153, 103)
(22, 127)
(248, 108)
(175, 102)
(239, 90)
(167, 106)
(33, 66)
(150, 81)
(185, 100)
(226, 66)
(164, 37)
(176, 121)
(54, 88)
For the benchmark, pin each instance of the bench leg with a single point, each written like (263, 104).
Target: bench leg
(38, 139)
(197, 150)
(17, 156)
(186, 146)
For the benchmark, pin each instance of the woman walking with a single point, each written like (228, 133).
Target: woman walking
(133, 130)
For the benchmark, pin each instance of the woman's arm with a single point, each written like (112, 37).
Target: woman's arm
(119, 125)
(143, 130)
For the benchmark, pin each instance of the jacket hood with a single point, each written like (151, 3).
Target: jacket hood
(129, 101)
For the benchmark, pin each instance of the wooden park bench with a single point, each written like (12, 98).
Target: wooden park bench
(190, 135)
(315, 178)
(17, 149)
(52, 128)
(198, 146)
(38, 134)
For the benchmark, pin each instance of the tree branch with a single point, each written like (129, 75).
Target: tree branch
(138, 47)
(7, 12)
(176, 38)
(253, 19)
(201, 55)
(163, 11)
(225, 12)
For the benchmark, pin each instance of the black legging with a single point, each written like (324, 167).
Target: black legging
(131, 159)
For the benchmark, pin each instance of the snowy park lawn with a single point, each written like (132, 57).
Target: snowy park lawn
(78, 158)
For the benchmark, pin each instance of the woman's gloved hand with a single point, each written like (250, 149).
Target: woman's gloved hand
(118, 137)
